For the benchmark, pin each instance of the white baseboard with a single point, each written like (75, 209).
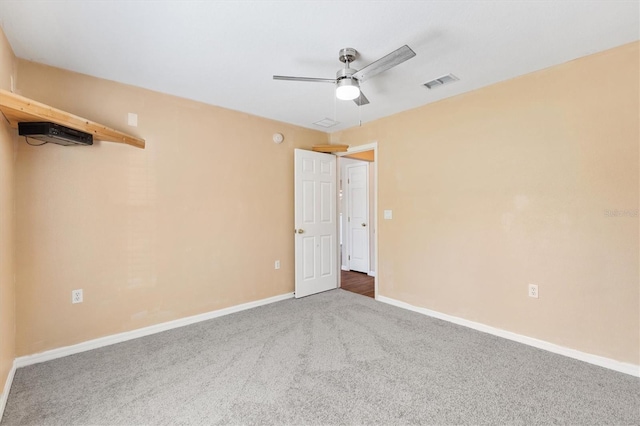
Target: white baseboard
(141, 332)
(372, 273)
(344, 268)
(622, 367)
(7, 387)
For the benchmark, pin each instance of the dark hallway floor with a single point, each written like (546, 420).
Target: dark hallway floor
(357, 282)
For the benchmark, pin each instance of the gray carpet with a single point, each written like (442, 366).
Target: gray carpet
(332, 358)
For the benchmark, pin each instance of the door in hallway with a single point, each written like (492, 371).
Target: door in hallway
(358, 216)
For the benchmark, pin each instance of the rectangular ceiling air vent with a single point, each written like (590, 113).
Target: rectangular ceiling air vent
(440, 81)
(326, 122)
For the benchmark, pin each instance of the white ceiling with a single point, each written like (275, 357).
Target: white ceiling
(225, 52)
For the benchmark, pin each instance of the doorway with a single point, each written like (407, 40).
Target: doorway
(358, 219)
(318, 232)
(356, 223)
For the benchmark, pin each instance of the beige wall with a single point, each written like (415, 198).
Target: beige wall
(7, 199)
(191, 224)
(508, 185)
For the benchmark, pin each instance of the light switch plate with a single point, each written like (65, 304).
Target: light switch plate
(388, 214)
(132, 119)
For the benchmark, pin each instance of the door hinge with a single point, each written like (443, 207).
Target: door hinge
(349, 257)
(348, 181)
(348, 219)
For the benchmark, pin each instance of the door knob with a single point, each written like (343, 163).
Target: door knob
(300, 231)
(364, 224)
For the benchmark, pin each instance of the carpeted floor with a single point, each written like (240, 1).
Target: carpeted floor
(332, 358)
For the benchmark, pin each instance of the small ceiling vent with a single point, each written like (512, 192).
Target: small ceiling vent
(326, 122)
(441, 81)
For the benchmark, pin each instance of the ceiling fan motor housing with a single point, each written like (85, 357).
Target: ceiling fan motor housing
(345, 73)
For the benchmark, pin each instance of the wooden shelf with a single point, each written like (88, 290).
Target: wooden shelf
(330, 148)
(18, 109)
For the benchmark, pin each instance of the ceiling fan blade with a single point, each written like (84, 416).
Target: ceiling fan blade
(389, 61)
(361, 100)
(311, 79)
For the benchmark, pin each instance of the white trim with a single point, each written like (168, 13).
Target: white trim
(376, 196)
(622, 367)
(345, 268)
(7, 388)
(141, 332)
(372, 273)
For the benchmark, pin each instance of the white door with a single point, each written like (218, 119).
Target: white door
(358, 216)
(315, 222)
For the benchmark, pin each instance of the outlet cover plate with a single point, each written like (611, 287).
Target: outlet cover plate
(76, 296)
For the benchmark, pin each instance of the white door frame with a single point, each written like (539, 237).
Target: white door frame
(373, 146)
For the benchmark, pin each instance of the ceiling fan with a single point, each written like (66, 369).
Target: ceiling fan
(348, 80)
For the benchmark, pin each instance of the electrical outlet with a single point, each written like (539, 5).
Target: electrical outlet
(277, 264)
(533, 290)
(76, 296)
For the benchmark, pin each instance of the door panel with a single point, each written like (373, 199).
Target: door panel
(327, 191)
(309, 255)
(315, 221)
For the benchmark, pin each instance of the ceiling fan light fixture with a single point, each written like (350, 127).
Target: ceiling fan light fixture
(347, 89)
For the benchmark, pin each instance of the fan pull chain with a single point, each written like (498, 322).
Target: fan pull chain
(335, 108)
